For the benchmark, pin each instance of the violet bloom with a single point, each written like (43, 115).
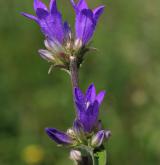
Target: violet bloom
(59, 137)
(86, 20)
(60, 43)
(57, 32)
(88, 108)
(86, 125)
(50, 21)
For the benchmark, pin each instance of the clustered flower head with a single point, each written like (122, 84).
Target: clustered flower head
(60, 41)
(87, 129)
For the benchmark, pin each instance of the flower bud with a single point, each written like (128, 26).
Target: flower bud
(98, 138)
(108, 134)
(77, 44)
(45, 54)
(75, 155)
(70, 132)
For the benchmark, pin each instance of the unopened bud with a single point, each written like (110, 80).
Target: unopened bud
(75, 155)
(97, 139)
(70, 132)
(68, 45)
(45, 54)
(78, 44)
(108, 134)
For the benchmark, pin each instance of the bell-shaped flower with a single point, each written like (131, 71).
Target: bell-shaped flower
(86, 20)
(88, 107)
(50, 20)
(57, 32)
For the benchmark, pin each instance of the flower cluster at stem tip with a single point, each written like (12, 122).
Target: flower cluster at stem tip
(60, 41)
(87, 129)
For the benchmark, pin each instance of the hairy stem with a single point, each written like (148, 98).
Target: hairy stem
(74, 71)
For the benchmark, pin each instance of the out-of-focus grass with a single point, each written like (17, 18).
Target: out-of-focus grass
(127, 67)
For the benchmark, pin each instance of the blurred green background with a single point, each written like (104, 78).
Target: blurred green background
(127, 66)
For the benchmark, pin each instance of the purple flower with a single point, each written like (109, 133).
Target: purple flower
(86, 20)
(59, 41)
(59, 137)
(86, 125)
(50, 21)
(57, 34)
(88, 108)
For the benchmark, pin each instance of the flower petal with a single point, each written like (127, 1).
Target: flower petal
(38, 4)
(85, 25)
(79, 101)
(89, 117)
(41, 13)
(75, 155)
(51, 25)
(67, 31)
(58, 137)
(57, 26)
(79, 96)
(91, 93)
(100, 97)
(80, 5)
(53, 6)
(79, 108)
(97, 12)
(53, 45)
(32, 17)
(45, 54)
(73, 4)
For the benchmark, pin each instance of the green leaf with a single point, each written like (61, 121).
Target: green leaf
(100, 157)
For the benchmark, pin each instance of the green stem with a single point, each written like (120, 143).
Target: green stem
(93, 158)
(74, 71)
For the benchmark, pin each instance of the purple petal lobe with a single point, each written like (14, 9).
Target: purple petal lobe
(41, 13)
(82, 5)
(89, 117)
(79, 108)
(51, 25)
(85, 25)
(79, 6)
(73, 4)
(97, 12)
(100, 97)
(38, 4)
(53, 6)
(67, 31)
(32, 17)
(58, 137)
(79, 96)
(57, 26)
(91, 93)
